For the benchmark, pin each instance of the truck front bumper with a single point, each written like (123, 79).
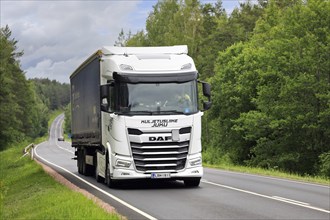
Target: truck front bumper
(192, 172)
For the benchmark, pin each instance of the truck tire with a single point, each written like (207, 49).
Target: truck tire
(87, 169)
(192, 182)
(108, 181)
(79, 161)
(97, 177)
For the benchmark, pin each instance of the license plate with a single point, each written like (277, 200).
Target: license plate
(160, 175)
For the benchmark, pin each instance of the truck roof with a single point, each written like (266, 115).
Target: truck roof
(142, 60)
(149, 59)
(178, 49)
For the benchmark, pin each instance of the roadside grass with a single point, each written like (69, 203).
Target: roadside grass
(27, 192)
(270, 173)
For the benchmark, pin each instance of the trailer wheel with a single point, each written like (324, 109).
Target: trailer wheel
(79, 161)
(83, 162)
(87, 169)
(192, 182)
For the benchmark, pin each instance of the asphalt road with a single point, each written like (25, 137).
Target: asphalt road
(221, 194)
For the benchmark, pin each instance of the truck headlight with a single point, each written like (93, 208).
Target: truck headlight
(123, 163)
(186, 66)
(125, 67)
(196, 161)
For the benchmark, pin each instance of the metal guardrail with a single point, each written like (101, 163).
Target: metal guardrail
(29, 150)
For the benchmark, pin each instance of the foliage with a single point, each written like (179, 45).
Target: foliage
(325, 164)
(271, 97)
(270, 172)
(20, 106)
(54, 94)
(67, 119)
(24, 104)
(27, 192)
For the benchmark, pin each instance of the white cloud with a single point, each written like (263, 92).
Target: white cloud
(55, 35)
(55, 70)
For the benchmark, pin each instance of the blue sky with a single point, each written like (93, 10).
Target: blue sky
(56, 36)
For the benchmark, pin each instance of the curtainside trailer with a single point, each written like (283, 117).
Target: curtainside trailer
(136, 114)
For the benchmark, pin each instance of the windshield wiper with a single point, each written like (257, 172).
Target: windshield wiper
(165, 112)
(174, 112)
(131, 113)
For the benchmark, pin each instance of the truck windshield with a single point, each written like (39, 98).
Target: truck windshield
(158, 98)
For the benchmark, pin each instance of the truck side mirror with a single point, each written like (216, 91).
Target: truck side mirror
(207, 93)
(206, 89)
(104, 107)
(207, 105)
(106, 91)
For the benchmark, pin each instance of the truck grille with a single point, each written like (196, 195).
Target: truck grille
(159, 156)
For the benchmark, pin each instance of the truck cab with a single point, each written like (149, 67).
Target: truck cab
(149, 116)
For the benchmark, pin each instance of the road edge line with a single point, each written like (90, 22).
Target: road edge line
(95, 187)
(267, 197)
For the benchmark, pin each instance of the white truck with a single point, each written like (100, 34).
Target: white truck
(136, 115)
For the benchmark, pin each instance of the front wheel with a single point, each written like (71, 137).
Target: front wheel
(192, 182)
(108, 181)
(97, 177)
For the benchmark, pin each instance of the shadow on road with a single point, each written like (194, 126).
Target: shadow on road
(150, 184)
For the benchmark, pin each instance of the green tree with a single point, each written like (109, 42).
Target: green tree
(67, 119)
(137, 40)
(53, 94)
(213, 15)
(272, 92)
(122, 38)
(172, 22)
(9, 107)
(20, 107)
(157, 24)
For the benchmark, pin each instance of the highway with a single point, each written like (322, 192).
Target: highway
(221, 194)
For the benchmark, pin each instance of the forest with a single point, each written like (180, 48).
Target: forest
(24, 104)
(268, 64)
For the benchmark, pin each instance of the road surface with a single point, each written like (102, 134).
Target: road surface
(221, 194)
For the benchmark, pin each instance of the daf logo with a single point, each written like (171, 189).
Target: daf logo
(160, 138)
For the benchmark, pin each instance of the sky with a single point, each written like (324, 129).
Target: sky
(58, 35)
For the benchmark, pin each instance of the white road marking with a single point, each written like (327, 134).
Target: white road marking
(290, 200)
(273, 178)
(297, 203)
(56, 142)
(277, 198)
(97, 188)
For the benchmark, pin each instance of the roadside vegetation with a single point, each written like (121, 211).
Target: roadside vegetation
(25, 105)
(27, 192)
(270, 173)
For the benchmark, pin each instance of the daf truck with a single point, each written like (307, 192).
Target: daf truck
(136, 114)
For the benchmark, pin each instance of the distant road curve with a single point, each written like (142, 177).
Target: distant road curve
(221, 195)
